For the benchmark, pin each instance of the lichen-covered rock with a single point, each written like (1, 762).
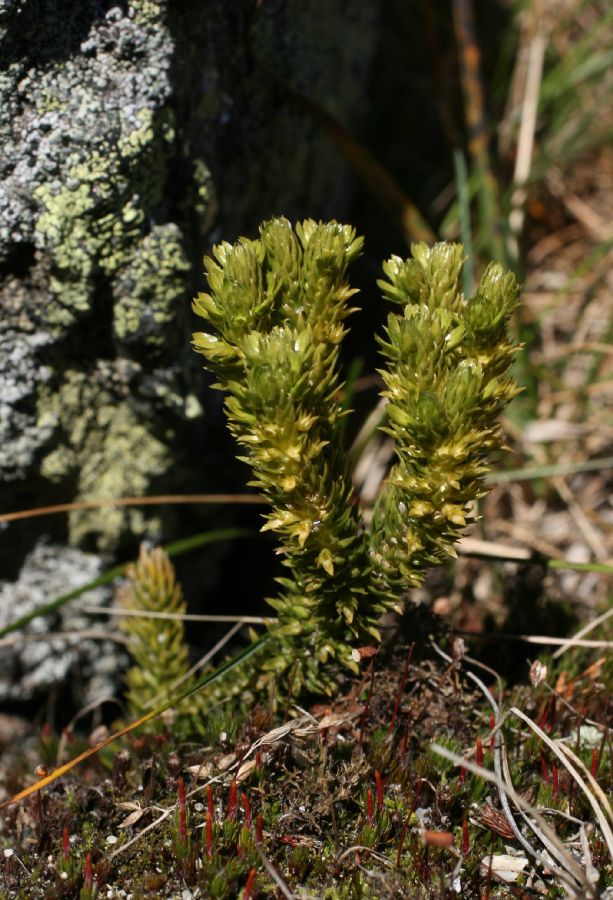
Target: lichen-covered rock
(20, 381)
(148, 291)
(86, 127)
(133, 135)
(106, 449)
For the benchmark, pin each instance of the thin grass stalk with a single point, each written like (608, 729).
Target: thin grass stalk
(376, 178)
(593, 783)
(206, 680)
(176, 548)
(559, 751)
(463, 192)
(534, 472)
(580, 886)
(525, 144)
(156, 500)
(470, 76)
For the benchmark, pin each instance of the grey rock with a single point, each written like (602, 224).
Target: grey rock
(20, 434)
(42, 659)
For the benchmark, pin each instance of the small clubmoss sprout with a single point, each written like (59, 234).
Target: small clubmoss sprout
(157, 645)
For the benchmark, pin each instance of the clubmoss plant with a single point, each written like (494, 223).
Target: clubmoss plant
(157, 646)
(277, 311)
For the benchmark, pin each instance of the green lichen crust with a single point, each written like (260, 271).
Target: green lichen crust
(149, 291)
(92, 220)
(87, 123)
(446, 380)
(107, 450)
(91, 136)
(277, 307)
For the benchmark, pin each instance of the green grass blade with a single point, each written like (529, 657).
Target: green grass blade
(463, 192)
(599, 568)
(527, 474)
(174, 549)
(203, 682)
(220, 671)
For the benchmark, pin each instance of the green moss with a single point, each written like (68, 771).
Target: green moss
(276, 315)
(159, 650)
(310, 789)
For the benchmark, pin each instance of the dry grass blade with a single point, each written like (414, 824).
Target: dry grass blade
(497, 759)
(275, 876)
(208, 656)
(592, 538)
(540, 639)
(87, 754)
(556, 748)
(582, 347)
(81, 635)
(471, 546)
(173, 549)
(474, 103)
(184, 617)
(202, 683)
(144, 831)
(546, 471)
(368, 429)
(69, 729)
(383, 186)
(165, 813)
(546, 836)
(359, 848)
(527, 129)
(586, 630)
(158, 500)
(305, 725)
(593, 783)
(555, 848)
(565, 643)
(591, 871)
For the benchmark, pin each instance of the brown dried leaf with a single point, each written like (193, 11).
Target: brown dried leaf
(133, 818)
(245, 770)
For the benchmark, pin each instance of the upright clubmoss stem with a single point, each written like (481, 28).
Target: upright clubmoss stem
(446, 380)
(276, 311)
